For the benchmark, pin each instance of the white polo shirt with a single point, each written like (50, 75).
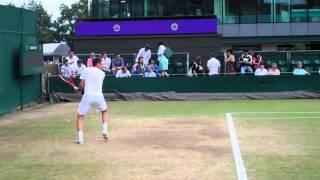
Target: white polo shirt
(93, 78)
(120, 74)
(213, 65)
(145, 54)
(72, 60)
(261, 72)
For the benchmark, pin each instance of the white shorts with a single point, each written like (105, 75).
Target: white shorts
(97, 101)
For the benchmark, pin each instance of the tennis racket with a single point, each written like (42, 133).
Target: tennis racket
(67, 77)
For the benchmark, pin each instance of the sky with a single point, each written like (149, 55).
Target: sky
(52, 6)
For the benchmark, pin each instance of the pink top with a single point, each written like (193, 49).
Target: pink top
(275, 72)
(89, 62)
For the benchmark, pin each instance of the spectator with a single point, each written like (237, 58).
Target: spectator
(261, 71)
(246, 62)
(117, 63)
(106, 62)
(123, 73)
(155, 67)
(72, 59)
(66, 69)
(274, 71)
(150, 72)
(197, 68)
(92, 56)
(78, 68)
(163, 60)
(145, 53)
(138, 71)
(230, 61)
(213, 65)
(140, 63)
(299, 71)
(256, 61)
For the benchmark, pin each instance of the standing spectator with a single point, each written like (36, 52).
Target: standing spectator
(66, 69)
(72, 59)
(92, 56)
(230, 61)
(213, 65)
(256, 61)
(123, 73)
(163, 60)
(155, 67)
(140, 63)
(261, 71)
(105, 62)
(150, 72)
(78, 68)
(144, 52)
(299, 71)
(197, 68)
(138, 71)
(246, 62)
(274, 71)
(117, 63)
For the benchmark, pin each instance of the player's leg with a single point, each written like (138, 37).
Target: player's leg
(101, 105)
(105, 122)
(80, 129)
(82, 110)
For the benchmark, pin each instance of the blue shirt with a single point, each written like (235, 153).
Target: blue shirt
(300, 72)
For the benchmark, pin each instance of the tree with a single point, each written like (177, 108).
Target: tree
(45, 26)
(65, 24)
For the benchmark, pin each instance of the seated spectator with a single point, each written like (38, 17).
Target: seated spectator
(92, 56)
(256, 61)
(245, 62)
(138, 71)
(106, 62)
(261, 71)
(299, 71)
(150, 73)
(274, 71)
(140, 63)
(155, 67)
(123, 73)
(197, 68)
(78, 68)
(117, 63)
(213, 65)
(66, 69)
(144, 52)
(72, 59)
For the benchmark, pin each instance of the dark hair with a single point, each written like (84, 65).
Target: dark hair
(229, 51)
(212, 55)
(71, 51)
(79, 61)
(198, 59)
(140, 58)
(147, 46)
(117, 53)
(103, 53)
(160, 43)
(246, 50)
(96, 61)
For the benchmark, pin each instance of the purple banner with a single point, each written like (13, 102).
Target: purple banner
(146, 27)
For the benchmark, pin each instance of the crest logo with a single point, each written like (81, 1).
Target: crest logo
(174, 27)
(116, 28)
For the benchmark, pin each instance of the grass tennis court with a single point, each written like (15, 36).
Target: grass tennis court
(164, 140)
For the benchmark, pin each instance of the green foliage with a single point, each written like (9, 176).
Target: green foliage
(65, 24)
(63, 28)
(45, 26)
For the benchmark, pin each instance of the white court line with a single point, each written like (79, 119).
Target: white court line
(276, 112)
(249, 118)
(241, 170)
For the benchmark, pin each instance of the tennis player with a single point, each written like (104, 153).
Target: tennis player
(92, 81)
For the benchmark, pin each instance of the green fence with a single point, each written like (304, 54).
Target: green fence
(17, 27)
(218, 84)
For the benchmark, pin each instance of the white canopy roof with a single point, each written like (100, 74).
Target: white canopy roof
(55, 49)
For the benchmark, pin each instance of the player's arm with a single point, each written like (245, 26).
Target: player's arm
(81, 85)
